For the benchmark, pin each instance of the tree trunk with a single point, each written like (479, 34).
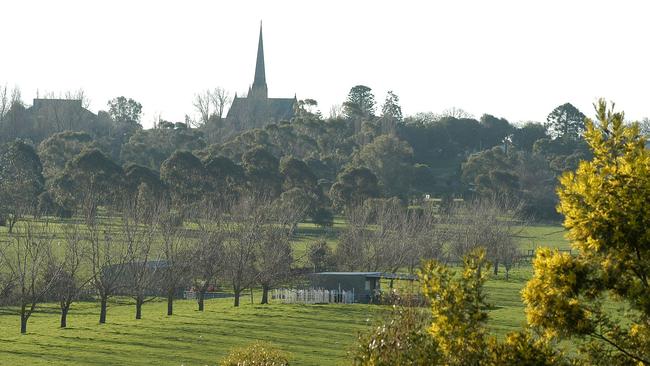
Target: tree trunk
(237, 293)
(200, 299)
(496, 268)
(102, 310)
(265, 294)
(252, 296)
(23, 319)
(64, 315)
(138, 308)
(170, 301)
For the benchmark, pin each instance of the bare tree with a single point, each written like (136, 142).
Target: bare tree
(176, 255)
(275, 255)
(207, 255)
(66, 269)
(141, 272)
(109, 257)
(220, 99)
(27, 259)
(241, 247)
(489, 223)
(4, 101)
(456, 112)
(203, 104)
(211, 103)
(381, 236)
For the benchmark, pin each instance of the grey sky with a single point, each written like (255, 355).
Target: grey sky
(513, 59)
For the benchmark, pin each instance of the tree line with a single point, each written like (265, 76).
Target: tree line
(362, 150)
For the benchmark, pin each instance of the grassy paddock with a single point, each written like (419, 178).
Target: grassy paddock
(313, 334)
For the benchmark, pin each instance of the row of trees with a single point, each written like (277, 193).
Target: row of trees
(447, 154)
(145, 253)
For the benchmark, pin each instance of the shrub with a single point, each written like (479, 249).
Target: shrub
(256, 354)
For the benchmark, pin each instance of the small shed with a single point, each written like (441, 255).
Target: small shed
(366, 285)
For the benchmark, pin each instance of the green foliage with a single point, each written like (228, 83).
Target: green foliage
(353, 186)
(320, 256)
(262, 171)
(390, 160)
(458, 308)
(565, 121)
(89, 179)
(605, 208)
(360, 102)
(185, 176)
(125, 110)
(151, 147)
(256, 354)
(58, 149)
(524, 137)
(401, 339)
(21, 180)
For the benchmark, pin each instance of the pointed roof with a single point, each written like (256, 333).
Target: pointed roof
(260, 73)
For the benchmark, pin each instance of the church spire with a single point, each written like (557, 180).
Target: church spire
(259, 88)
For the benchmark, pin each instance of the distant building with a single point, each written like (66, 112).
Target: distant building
(366, 286)
(61, 114)
(257, 109)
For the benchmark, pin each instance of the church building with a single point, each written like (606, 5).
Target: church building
(257, 109)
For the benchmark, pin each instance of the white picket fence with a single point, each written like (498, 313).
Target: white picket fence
(313, 296)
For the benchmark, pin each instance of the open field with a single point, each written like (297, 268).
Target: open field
(313, 334)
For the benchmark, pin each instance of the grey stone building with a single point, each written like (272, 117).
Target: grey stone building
(257, 109)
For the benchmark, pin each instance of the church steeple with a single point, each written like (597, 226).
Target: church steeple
(259, 89)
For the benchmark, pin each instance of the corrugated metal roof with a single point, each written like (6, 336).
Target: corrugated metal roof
(387, 275)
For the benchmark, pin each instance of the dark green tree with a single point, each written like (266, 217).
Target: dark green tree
(262, 172)
(21, 181)
(524, 137)
(89, 180)
(58, 149)
(390, 160)
(565, 121)
(186, 178)
(125, 110)
(353, 186)
(360, 102)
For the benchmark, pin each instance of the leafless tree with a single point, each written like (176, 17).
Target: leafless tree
(489, 223)
(207, 254)
(27, 259)
(141, 272)
(275, 255)
(202, 103)
(336, 111)
(109, 257)
(16, 96)
(383, 235)
(177, 257)
(66, 269)
(456, 112)
(211, 103)
(241, 248)
(4, 101)
(220, 100)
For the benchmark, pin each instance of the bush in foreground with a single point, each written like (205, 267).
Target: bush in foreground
(256, 354)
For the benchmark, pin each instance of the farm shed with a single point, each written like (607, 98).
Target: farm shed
(366, 285)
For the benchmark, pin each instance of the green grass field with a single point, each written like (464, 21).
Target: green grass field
(313, 334)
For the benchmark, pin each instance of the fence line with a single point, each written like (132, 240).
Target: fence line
(313, 296)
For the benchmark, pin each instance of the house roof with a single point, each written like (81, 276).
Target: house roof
(387, 275)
